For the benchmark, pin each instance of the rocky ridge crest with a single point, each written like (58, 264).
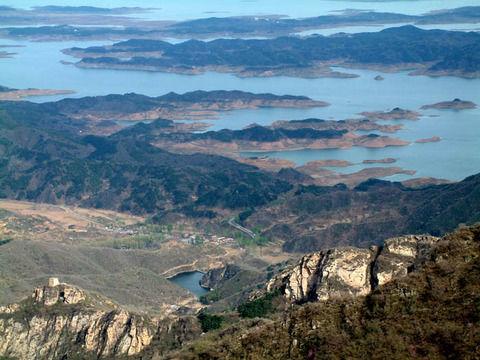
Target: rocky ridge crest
(59, 320)
(350, 271)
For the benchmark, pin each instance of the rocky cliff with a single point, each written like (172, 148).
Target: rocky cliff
(60, 320)
(350, 271)
(433, 313)
(214, 277)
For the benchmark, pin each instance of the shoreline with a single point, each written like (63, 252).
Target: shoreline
(313, 72)
(18, 95)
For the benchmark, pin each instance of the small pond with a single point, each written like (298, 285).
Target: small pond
(191, 281)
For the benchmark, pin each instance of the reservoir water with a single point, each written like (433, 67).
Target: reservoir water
(190, 281)
(457, 155)
(458, 152)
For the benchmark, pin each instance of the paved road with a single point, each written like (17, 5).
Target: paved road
(250, 233)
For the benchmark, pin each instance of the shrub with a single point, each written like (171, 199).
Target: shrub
(257, 308)
(209, 322)
(210, 297)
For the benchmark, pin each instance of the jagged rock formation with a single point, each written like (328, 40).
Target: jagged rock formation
(48, 336)
(401, 255)
(430, 314)
(350, 271)
(213, 277)
(60, 319)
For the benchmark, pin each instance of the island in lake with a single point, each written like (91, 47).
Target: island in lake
(7, 93)
(456, 104)
(429, 140)
(430, 52)
(349, 124)
(380, 161)
(5, 54)
(394, 114)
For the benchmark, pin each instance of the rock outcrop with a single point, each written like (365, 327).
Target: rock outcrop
(214, 277)
(401, 255)
(50, 336)
(349, 271)
(55, 292)
(60, 320)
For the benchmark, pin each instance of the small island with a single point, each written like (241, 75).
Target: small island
(379, 78)
(5, 54)
(380, 161)
(429, 140)
(349, 124)
(456, 104)
(328, 163)
(8, 94)
(394, 114)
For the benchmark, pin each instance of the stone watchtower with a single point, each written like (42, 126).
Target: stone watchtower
(53, 281)
(56, 292)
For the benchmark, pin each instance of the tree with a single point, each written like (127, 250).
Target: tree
(258, 307)
(209, 322)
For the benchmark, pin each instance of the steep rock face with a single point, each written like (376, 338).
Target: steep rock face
(351, 271)
(59, 319)
(214, 277)
(327, 274)
(49, 336)
(399, 256)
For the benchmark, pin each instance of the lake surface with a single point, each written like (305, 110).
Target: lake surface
(455, 157)
(38, 65)
(190, 281)
(375, 28)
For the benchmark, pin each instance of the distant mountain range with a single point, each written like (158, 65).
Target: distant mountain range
(240, 26)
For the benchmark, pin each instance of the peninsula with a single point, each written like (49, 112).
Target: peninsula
(191, 105)
(19, 94)
(430, 52)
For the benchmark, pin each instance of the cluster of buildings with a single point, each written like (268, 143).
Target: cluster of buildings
(195, 239)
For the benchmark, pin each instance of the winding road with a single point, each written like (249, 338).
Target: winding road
(250, 233)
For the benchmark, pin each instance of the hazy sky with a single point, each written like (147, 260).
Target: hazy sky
(182, 9)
